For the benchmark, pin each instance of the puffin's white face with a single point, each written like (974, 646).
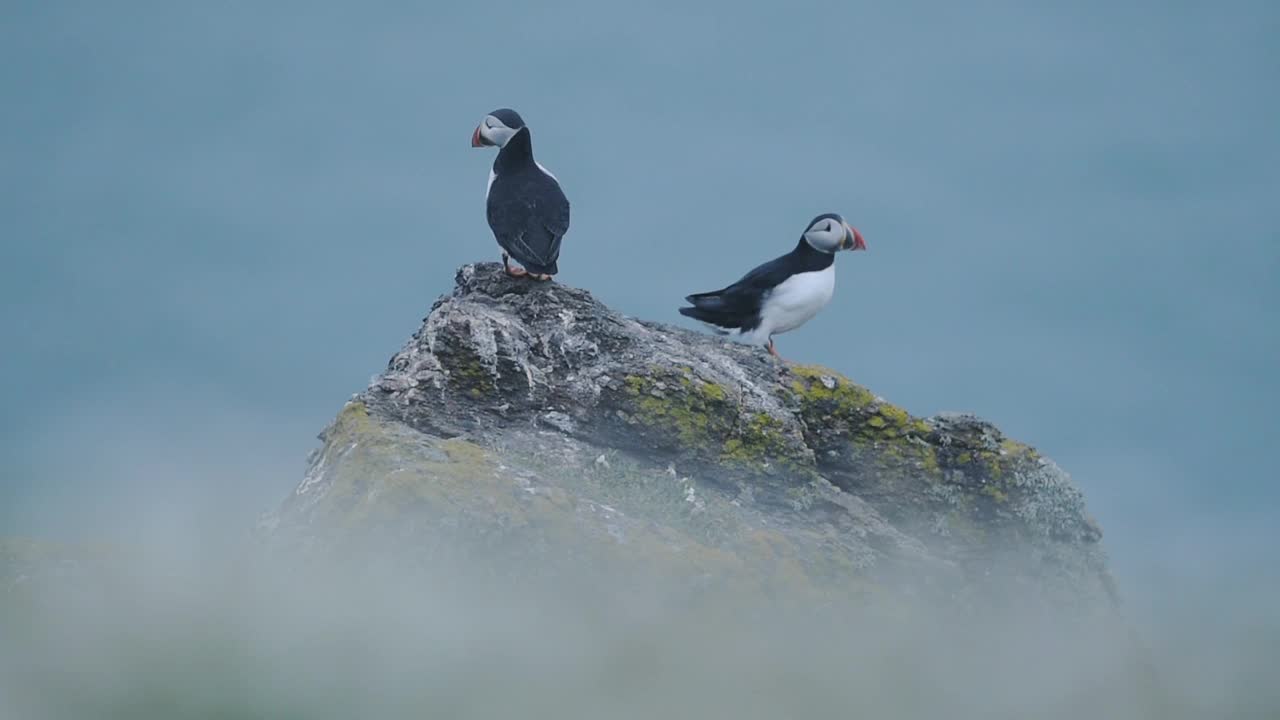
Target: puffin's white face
(497, 128)
(829, 233)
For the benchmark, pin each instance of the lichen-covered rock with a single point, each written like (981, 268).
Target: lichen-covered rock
(529, 418)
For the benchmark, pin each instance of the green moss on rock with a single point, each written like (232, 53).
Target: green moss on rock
(376, 472)
(700, 418)
(889, 435)
(696, 412)
(1018, 451)
(757, 441)
(468, 372)
(816, 385)
(995, 493)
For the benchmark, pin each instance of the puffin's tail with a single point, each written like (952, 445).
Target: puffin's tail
(710, 309)
(713, 300)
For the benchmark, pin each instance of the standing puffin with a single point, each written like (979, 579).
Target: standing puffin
(782, 294)
(527, 211)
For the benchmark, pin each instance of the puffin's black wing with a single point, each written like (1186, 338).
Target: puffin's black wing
(529, 216)
(738, 305)
(527, 210)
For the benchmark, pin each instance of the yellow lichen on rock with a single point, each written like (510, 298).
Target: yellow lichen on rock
(700, 418)
(831, 402)
(817, 384)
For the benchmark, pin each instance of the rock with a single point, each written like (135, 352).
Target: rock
(528, 418)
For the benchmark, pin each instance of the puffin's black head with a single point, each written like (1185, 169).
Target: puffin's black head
(497, 128)
(829, 232)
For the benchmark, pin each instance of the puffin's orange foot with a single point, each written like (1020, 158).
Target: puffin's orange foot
(772, 350)
(512, 271)
(540, 276)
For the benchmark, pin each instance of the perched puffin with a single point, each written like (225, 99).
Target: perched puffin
(527, 211)
(782, 294)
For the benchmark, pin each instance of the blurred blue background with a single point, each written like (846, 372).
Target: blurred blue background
(220, 221)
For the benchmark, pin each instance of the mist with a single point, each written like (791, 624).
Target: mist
(179, 607)
(186, 625)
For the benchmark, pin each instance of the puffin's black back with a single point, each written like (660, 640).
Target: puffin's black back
(738, 305)
(527, 210)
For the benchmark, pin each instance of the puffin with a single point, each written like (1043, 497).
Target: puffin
(527, 210)
(782, 294)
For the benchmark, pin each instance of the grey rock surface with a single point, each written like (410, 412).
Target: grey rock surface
(531, 419)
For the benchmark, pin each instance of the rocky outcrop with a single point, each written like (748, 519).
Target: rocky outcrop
(530, 419)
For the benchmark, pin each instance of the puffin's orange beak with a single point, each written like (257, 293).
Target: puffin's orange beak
(853, 239)
(476, 139)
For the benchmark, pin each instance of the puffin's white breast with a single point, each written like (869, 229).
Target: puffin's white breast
(797, 299)
(492, 176)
